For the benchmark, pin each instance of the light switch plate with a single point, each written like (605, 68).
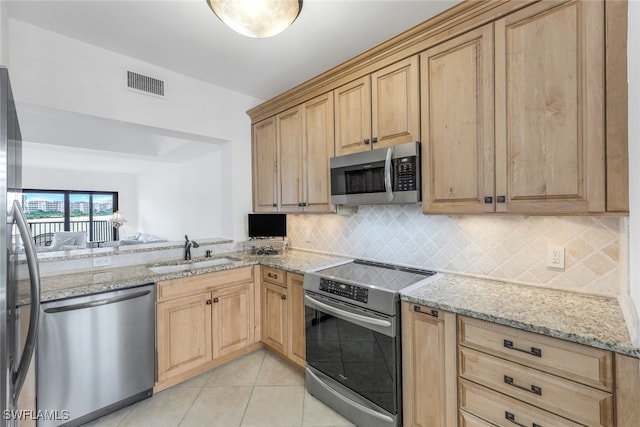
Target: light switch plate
(555, 257)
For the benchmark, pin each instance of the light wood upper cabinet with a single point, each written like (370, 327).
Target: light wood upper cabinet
(304, 142)
(318, 128)
(543, 145)
(264, 151)
(380, 109)
(290, 159)
(549, 78)
(395, 99)
(457, 124)
(353, 117)
(428, 366)
(296, 342)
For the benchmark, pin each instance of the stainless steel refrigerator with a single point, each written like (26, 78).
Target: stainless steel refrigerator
(18, 243)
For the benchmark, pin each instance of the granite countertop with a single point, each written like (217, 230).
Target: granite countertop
(585, 319)
(96, 281)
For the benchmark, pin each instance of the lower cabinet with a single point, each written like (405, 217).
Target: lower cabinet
(283, 324)
(428, 366)
(274, 317)
(201, 321)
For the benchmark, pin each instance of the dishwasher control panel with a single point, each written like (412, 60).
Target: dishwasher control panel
(356, 293)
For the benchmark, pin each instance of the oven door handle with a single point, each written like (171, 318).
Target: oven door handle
(345, 315)
(388, 186)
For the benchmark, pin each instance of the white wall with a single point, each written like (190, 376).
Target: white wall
(53, 71)
(634, 154)
(4, 34)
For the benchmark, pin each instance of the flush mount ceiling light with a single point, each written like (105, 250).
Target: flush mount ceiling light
(257, 18)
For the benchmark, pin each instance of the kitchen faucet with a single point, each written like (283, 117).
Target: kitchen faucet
(187, 247)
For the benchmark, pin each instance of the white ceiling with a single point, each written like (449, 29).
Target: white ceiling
(185, 36)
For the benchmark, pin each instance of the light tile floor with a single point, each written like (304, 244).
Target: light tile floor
(258, 389)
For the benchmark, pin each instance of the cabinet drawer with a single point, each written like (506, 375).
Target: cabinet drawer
(190, 285)
(503, 410)
(575, 401)
(274, 275)
(468, 420)
(586, 365)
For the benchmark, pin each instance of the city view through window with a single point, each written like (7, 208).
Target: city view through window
(50, 211)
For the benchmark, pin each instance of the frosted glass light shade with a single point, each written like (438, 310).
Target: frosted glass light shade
(257, 18)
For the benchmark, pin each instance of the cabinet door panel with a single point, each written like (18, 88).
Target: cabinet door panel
(183, 334)
(457, 124)
(428, 367)
(319, 148)
(353, 116)
(274, 317)
(297, 347)
(395, 103)
(264, 166)
(289, 124)
(549, 108)
(232, 318)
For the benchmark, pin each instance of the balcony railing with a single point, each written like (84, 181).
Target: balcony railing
(102, 230)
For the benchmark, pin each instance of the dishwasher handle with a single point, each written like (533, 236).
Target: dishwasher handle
(98, 303)
(20, 374)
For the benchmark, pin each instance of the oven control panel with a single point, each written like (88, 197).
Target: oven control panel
(356, 293)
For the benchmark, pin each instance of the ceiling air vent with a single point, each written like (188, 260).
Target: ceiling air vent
(145, 84)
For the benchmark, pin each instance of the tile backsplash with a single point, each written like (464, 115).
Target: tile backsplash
(503, 247)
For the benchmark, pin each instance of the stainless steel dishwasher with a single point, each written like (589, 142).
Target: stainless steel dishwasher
(95, 354)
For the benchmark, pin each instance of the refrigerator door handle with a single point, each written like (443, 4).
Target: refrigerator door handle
(34, 277)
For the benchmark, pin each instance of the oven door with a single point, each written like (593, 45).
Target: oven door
(356, 348)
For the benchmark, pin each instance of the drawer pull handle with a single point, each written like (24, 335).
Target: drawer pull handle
(512, 418)
(273, 276)
(534, 388)
(534, 351)
(432, 313)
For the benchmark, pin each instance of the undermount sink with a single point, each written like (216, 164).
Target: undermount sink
(173, 268)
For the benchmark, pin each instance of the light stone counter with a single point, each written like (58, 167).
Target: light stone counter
(585, 319)
(98, 280)
(591, 320)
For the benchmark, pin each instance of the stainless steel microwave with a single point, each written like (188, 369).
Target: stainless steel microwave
(377, 177)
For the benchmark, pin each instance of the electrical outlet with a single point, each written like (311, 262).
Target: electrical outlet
(308, 238)
(555, 257)
(102, 261)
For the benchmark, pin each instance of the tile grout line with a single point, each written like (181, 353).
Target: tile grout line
(253, 388)
(191, 406)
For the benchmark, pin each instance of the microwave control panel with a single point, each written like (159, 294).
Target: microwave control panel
(344, 290)
(405, 169)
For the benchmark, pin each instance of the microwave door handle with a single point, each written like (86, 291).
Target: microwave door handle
(387, 174)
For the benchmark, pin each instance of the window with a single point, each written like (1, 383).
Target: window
(48, 211)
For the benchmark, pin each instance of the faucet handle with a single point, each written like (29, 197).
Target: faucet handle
(208, 253)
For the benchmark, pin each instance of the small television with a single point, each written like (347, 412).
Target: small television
(267, 225)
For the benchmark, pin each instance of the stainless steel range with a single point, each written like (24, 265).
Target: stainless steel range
(352, 315)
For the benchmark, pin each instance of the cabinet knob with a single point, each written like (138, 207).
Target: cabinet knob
(283, 297)
(488, 200)
(216, 299)
(275, 205)
(366, 141)
(208, 302)
(501, 199)
(374, 140)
